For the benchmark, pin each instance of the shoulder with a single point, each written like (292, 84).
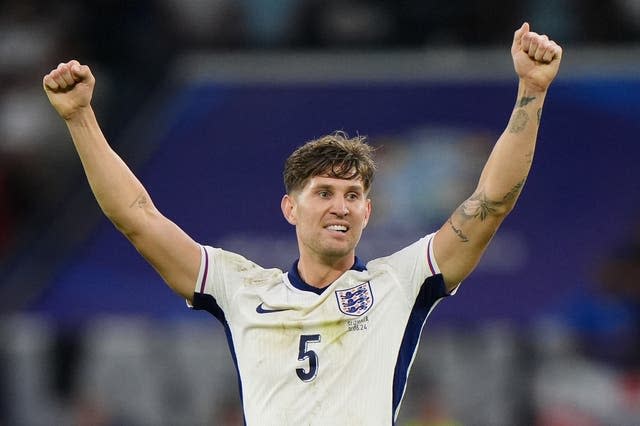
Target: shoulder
(234, 265)
(418, 251)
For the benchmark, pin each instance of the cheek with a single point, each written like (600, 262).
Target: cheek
(364, 213)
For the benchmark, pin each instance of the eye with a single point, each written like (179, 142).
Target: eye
(323, 194)
(352, 196)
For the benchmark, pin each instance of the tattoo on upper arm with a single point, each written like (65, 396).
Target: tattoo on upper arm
(458, 232)
(518, 121)
(140, 202)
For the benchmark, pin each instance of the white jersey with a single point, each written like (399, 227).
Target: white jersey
(333, 356)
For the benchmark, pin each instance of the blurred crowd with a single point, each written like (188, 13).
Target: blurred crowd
(131, 371)
(130, 44)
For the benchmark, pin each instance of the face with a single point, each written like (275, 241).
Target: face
(329, 215)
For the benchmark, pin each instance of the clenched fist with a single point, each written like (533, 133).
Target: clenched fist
(536, 58)
(69, 88)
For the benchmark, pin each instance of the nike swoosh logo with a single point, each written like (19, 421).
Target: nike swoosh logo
(261, 310)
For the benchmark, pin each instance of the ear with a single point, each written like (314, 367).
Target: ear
(288, 208)
(368, 213)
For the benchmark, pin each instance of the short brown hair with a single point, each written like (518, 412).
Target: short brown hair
(335, 155)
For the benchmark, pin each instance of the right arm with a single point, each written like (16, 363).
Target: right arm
(121, 196)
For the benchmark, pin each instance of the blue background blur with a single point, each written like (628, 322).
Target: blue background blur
(218, 164)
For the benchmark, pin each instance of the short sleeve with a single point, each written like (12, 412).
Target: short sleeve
(414, 265)
(216, 282)
(222, 274)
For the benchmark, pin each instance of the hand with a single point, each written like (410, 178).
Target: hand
(536, 59)
(69, 88)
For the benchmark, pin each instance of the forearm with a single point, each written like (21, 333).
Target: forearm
(472, 225)
(464, 237)
(508, 165)
(119, 193)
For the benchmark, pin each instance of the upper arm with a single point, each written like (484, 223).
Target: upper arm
(171, 252)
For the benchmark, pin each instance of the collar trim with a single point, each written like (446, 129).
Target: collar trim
(296, 280)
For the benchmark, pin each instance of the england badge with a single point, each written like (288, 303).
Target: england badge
(356, 300)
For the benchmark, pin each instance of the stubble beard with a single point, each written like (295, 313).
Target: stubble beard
(331, 250)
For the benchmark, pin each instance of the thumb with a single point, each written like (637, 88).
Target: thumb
(517, 36)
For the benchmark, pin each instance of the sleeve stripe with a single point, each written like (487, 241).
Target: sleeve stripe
(206, 269)
(433, 271)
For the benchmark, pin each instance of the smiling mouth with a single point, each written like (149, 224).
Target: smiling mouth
(337, 228)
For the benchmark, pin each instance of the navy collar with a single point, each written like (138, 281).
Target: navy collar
(296, 280)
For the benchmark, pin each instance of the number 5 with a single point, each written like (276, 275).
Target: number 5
(303, 353)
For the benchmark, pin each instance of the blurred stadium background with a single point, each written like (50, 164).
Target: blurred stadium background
(205, 99)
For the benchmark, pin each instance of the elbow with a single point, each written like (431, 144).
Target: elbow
(482, 207)
(132, 220)
(487, 201)
(124, 226)
(504, 210)
(132, 225)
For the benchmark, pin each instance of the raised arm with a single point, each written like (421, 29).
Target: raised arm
(119, 193)
(460, 242)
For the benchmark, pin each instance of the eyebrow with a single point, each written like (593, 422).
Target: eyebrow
(350, 188)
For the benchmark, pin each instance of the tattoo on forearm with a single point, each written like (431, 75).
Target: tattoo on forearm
(539, 115)
(518, 121)
(140, 202)
(511, 195)
(525, 100)
(458, 232)
(529, 157)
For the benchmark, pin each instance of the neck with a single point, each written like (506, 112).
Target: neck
(320, 274)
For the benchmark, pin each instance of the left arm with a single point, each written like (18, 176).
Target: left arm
(462, 239)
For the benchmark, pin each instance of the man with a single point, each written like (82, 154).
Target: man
(331, 341)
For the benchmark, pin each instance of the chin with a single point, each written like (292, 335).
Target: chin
(337, 252)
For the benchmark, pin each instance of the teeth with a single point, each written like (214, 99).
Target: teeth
(340, 228)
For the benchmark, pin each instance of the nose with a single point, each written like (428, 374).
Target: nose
(339, 207)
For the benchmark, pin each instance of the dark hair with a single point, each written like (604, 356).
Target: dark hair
(335, 155)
